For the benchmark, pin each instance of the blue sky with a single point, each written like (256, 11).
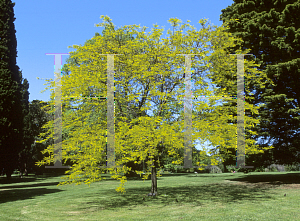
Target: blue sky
(51, 26)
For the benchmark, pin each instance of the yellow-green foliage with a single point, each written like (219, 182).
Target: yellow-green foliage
(149, 69)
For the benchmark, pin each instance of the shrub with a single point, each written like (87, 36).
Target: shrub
(170, 167)
(231, 167)
(221, 166)
(191, 170)
(173, 168)
(276, 167)
(293, 167)
(266, 170)
(213, 169)
(245, 170)
(259, 169)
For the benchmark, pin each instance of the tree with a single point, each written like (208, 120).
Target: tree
(92, 91)
(12, 116)
(27, 138)
(35, 119)
(149, 108)
(271, 29)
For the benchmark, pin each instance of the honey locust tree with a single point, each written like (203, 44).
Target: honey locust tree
(149, 82)
(223, 74)
(121, 38)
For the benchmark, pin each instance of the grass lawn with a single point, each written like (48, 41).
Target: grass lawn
(227, 196)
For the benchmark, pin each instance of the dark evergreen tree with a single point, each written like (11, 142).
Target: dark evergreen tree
(38, 117)
(11, 114)
(34, 121)
(271, 29)
(27, 138)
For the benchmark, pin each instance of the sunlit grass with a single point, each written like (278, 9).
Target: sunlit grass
(227, 196)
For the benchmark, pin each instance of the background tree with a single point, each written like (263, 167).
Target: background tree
(150, 80)
(11, 114)
(271, 29)
(27, 138)
(36, 118)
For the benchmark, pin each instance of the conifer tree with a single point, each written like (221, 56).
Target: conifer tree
(271, 30)
(28, 140)
(11, 98)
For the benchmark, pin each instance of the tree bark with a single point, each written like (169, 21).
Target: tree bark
(8, 173)
(154, 181)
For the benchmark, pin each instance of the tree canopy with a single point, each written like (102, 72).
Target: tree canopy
(149, 93)
(13, 92)
(271, 29)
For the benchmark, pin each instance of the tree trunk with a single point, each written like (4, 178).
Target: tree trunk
(154, 181)
(26, 171)
(225, 169)
(8, 173)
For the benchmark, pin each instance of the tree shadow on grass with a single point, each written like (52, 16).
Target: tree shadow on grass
(194, 195)
(137, 177)
(270, 179)
(10, 195)
(2, 187)
(210, 175)
(14, 179)
(24, 188)
(176, 174)
(26, 181)
(29, 178)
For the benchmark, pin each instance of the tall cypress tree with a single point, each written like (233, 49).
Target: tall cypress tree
(11, 114)
(271, 29)
(28, 139)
